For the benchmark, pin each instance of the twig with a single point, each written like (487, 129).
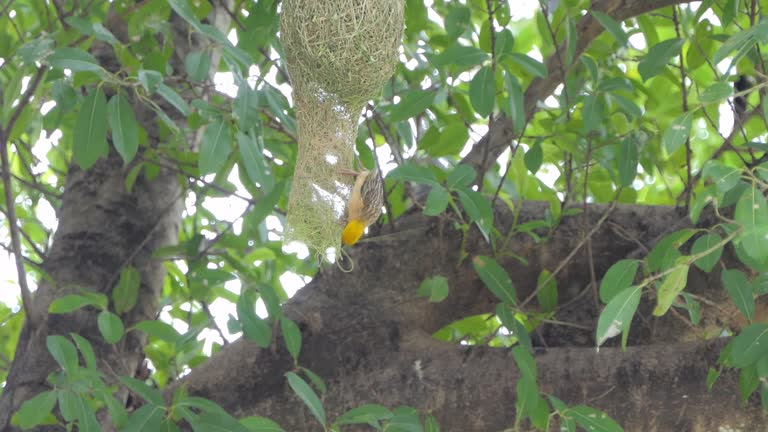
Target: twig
(23, 101)
(213, 322)
(26, 295)
(570, 256)
(32, 244)
(684, 90)
(229, 226)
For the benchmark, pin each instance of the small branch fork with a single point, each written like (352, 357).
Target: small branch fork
(13, 226)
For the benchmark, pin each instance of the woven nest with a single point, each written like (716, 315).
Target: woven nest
(339, 53)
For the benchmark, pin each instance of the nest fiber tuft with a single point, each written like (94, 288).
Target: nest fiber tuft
(339, 53)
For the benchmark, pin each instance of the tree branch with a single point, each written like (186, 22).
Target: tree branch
(26, 295)
(500, 133)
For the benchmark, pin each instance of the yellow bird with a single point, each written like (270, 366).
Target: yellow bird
(364, 206)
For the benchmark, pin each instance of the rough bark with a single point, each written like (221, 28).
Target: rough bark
(373, 354)
(103, 228)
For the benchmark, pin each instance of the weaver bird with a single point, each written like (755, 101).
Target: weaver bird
(364, 205)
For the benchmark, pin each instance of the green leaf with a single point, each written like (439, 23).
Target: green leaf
(712, 376)
(658, 56)
(63, 351)
(246, 107)
(69, 303)
(627, 106)
(254, 327)
(430, 424)
(612, 26)
(748, 382)
(86, 417)
(150, 79)
(592, 113)
(197, 65)
(307, 395)
(741, 42)
(461, 176)
(266, 204)
(216, 422)
(437, 201)
(252, 153)
(693, 307)
(724, 177)
(665, 252)
(291, 336)
(462, 56)
(411, 104)
(101, 33)
(216, 146)
(404, 419)
(678, 132)
(365, 414)
(436, 288)
(414, 174)
(750, 345)
(546, 294)
(627, 161)
(457, 21)
(479, 210)
(482, 91)
(148, 418)
(617, 315)
(34, 411)
(670, 287)
(514, 326)
(532, 66)
(752, 214)
(514, 106)
(159, 330)
(126, 291)
(716, 92)
(534, 157)
(593, 420)
(73, 59)
(740, 291)
(110, 326)
(618, 278)
(140, 388)
(448, 141)
(704, 243)
(315, 380)
(525, 362)
(85, 349)
(527, 395)
(90, 133)
(68, 405)
(567, 423)
(495, 279)
(125, 129)
(173, 98)
(184, 10)
(260, 424)
(35, 50)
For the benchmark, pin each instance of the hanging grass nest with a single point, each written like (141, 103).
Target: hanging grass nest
(339, 54)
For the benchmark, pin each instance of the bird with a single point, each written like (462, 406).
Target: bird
(364, 205)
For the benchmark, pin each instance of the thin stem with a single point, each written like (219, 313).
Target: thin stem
(26, 295)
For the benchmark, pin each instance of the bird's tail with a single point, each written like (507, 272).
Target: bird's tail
(352, 232)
